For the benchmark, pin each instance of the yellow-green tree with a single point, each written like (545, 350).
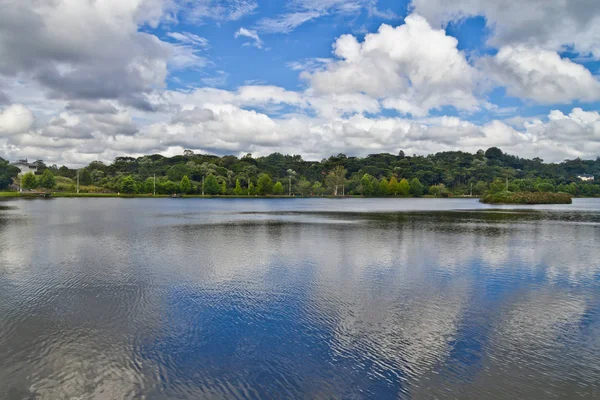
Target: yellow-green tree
(384, 187)
(403, 187)
(29, 181)
(278, 189)
(393, 186)
(238, 188)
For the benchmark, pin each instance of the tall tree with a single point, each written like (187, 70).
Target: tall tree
(393, 186)
(128, 184)
(404, 187)
(29, 181)
(278, 189)
(416, 187)
(336, 178)
(384, 187)
(264, 185)
(47, 180)
(366, 184)
(304, 187)
(238, 188)
(185, 185)
(211, 185)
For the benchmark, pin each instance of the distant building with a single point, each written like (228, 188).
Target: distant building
(25, 166)
(586, 177)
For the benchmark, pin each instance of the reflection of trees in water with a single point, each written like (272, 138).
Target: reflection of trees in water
(390, 298)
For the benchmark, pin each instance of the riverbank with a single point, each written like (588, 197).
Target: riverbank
(527, 198)
(28, 195)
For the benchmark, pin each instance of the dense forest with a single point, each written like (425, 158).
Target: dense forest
(441, 174)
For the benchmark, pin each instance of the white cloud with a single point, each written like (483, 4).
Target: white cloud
(219, 10)
(63, 46)
(15, 119)
(550, 24)
(256, 41)
(189, 38)
(299, 12)
(220, 79)
(413, 67)
(541, 75)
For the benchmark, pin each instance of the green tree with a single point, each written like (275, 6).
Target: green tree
(223, 187)
(393, 186)
(185, 185)
(264, 185)
(366, 185)
(251, 189)
(278, 189)
(416, 187)
(127, 184)
(47, 180)
(211, 185)
(544, 187)
(404, 187)
(29, 181)
(85, 178)
(480, 188)
(304, 187)
(177, 172)
(384, 187)
(335, 179)
(149, 185)
(238, 188)
(438, 190)
(317, 188)
(498, 185)
(168, 187)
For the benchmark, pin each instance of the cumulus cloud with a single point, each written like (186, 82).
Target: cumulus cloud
(551, 24)
(68, 97)
(247, 33)
(413, 68)
(15, 119)
(63, 46)
(541, 75)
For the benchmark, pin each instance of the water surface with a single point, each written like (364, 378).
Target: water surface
(298, 298)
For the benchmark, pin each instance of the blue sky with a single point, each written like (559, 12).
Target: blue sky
(83, 80)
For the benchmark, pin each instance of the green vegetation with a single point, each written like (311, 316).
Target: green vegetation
(506, 197)
(47, 180)
(185, 185)
(278, 189)
(445, 174)
(211, 186)
(29, 181)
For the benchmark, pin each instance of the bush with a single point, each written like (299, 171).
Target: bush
(527, 198)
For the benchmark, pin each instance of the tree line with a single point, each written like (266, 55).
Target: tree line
(442, 174)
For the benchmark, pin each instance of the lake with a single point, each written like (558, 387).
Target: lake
(298, 299)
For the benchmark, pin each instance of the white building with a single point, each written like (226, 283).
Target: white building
(25, 167)
(586, 177)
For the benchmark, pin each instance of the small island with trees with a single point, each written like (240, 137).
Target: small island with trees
(492, 175)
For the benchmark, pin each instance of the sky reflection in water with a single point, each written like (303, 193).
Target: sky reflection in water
(105, 298)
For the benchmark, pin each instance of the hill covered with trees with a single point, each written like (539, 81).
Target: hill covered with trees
(440, 174)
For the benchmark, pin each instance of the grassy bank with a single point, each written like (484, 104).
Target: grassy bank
(527, 198)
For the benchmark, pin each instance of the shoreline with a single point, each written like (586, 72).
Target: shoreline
(17, 195)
